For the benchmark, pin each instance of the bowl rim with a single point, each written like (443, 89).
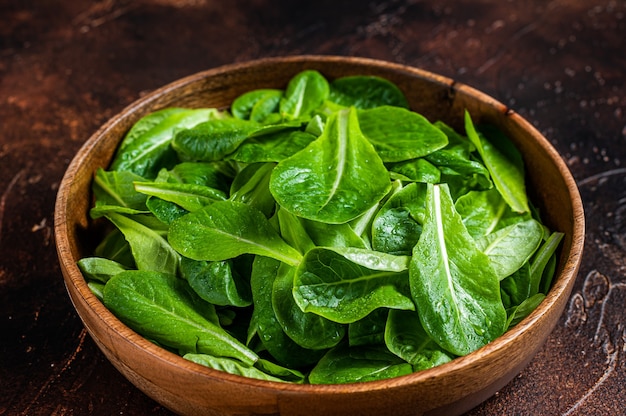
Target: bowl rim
(561, 287)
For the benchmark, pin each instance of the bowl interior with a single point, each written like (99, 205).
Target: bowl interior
(549, 183)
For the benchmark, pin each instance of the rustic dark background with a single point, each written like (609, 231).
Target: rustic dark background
(67, 66)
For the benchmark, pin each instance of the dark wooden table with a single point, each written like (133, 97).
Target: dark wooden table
(67, 66)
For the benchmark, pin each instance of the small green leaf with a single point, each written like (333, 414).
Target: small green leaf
(370, 330)
(115, 247)
(165, 211)
(115, 192)
(507, 173)
(395, 228)
(517, 287)
(216, 282)
(146, 148)
(518, 313)
(512, 246)
(229, 365)
(264, 321)
(210, 174)
(272, 147)
(405, 336)
(212, 140)
(99, 268)
(482, 211)
(366, 92)
(399, 134)
(188, 196)
(256, 104)
(358, 364)
(416, 170)
(542, 258)
(305, 92)
(345, 285)
(251, 187)
(150, 250)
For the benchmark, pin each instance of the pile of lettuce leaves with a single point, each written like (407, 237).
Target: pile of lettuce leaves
(324, 233)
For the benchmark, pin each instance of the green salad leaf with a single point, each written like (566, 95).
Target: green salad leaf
(327, 181)
(453, 283)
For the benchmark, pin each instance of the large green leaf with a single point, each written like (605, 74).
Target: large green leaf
(336, 178)
(453, 284)
(163, 308)
(227, 229)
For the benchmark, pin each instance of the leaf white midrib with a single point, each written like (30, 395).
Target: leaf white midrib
(365, 277)
(443, 249)
(264, 249)
(380, 370)
(157, 191)
(496, 242)
(109, 190)
(153, 303)
(162, 242)
(162, 137)
(501, 208)
(342, 139)
(300, 101)
(204, 327)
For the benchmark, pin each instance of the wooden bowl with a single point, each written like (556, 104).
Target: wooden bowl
(452, 388)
